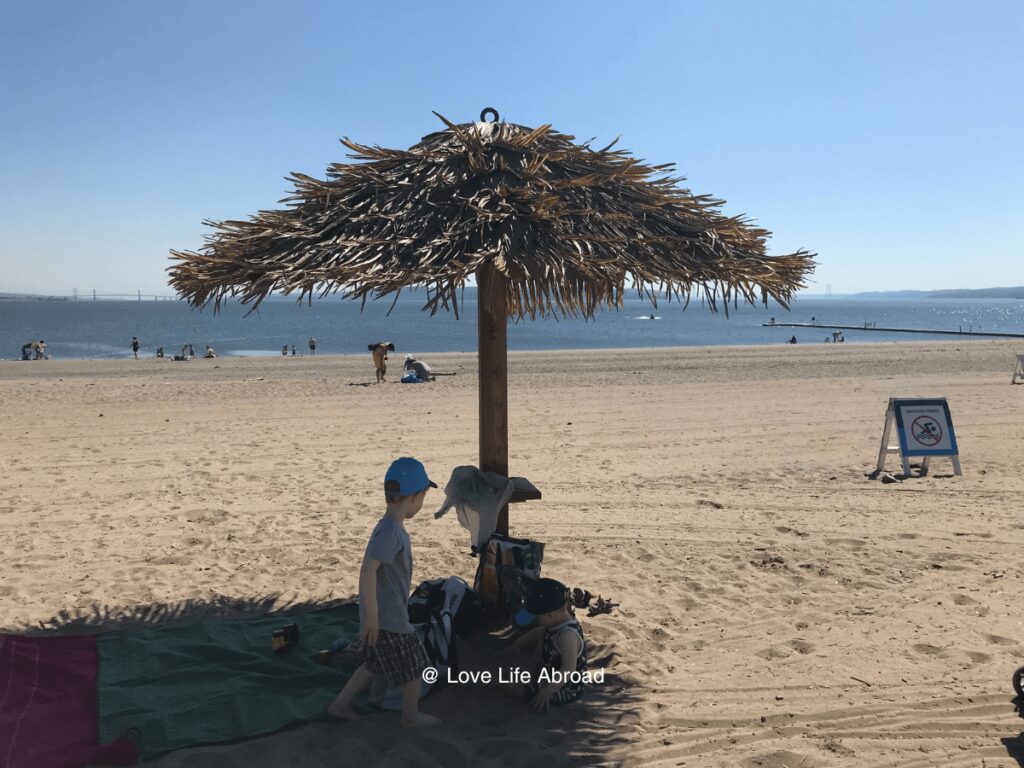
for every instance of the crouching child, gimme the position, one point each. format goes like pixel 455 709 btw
pixel 556 643
pixel 390 646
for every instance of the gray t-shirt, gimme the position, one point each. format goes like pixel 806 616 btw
pixel 389 543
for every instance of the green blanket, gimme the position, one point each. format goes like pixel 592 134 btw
pixel 218 680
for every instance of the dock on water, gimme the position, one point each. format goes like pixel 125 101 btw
pixel 822 326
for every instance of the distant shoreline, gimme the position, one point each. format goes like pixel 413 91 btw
pixel 1014 292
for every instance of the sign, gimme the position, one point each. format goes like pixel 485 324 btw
pixel 924 428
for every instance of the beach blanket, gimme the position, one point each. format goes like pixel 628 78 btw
pixel 48 705
pixel 66 701
pixel 219 680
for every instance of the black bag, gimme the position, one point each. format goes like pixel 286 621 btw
pixel 428 600
pixel 508 567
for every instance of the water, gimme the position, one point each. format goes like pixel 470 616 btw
pixel 103 329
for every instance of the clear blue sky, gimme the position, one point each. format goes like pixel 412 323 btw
pixel 886 136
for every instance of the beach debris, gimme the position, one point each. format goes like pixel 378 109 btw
pixel 601 606
pixel 581 598
pixel 769 562
pixel 888 478
pixel 710 503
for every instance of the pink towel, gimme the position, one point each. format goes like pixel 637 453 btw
pixel 48 715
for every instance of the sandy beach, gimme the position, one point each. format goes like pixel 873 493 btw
pixel 778 608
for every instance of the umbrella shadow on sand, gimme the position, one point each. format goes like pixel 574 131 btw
pixel 104 618
pixel 482 725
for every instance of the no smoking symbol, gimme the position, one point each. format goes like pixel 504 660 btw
pixel 926 430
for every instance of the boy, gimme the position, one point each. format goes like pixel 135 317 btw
pixel 390 647
pixel 563 649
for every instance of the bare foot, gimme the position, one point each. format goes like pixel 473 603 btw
pixel 420 720
pixel 344 712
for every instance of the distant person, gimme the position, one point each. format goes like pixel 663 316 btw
pixel 210 354
pixel 312 345
pixel 284 350
pixel 380 358
pixel 27 349
pixel 841 337
pixel 792 340
pixel 135 346
pixel 419 368
pixel 41 350
pixel 293 350
pixel 159 351
pixel 771 321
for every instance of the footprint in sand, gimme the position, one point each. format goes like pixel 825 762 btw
pixel 852 543
pixel 930 650
pixel 801 646
pixel 999 640
pixel 781 759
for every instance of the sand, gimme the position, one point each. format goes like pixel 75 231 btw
pixel 778 607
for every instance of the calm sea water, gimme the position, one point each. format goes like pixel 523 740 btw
pixel 103 329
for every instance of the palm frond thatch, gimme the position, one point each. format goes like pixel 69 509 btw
pixel 570 227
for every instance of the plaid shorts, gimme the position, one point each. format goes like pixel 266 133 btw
pixel 397 656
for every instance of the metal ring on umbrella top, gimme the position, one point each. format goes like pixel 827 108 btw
pixel 489 110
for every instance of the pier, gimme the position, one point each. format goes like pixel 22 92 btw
pixel 821 326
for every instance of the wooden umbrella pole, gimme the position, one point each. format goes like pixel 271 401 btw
pixel 492 335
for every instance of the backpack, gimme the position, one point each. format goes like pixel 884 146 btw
pixel 439 609
pixel 429 598
pixel 508 568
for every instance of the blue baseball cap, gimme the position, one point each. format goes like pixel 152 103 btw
pixel 546 595
pixel 410 476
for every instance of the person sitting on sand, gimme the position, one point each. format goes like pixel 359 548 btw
pixel 210 354
pixel 557 644
pixel 391 648
pixel 159 351
pixel 792 340
pixel 417 367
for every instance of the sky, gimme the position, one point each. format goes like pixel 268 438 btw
pixel 884 136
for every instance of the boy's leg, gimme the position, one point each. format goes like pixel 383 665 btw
pixel 341 707
pixel 411 715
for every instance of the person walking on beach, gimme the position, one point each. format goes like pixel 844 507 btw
pixel 312 345
pixel 390 646
pixel 284 350
pixel 135 346
pixel 293 350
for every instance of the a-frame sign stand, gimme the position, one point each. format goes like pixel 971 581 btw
pixel 924 429
pixel 1018 371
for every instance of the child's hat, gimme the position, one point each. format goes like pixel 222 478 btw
pixel 546 595
pixel 410 476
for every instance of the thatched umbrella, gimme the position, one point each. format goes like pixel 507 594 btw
pixel 543 224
